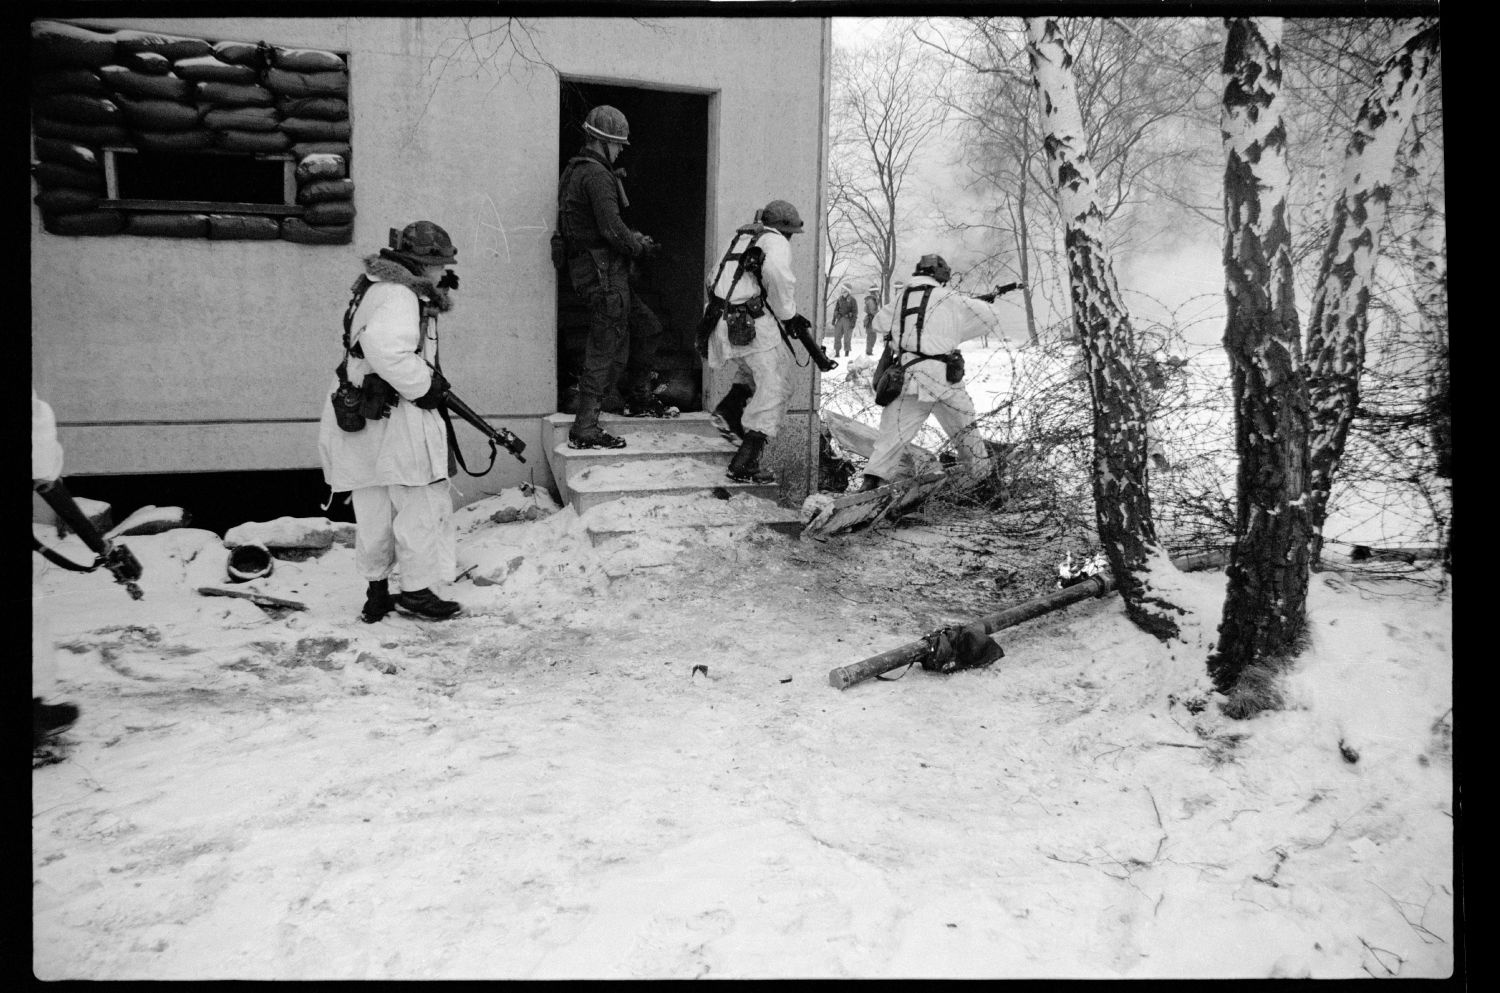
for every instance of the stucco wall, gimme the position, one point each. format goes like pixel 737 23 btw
pixel 166 355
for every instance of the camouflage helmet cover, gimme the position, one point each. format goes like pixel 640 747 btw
pixel 782 216
pixel 423 243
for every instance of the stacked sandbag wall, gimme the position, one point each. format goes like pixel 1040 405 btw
pixel 155 92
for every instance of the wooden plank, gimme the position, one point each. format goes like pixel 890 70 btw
pixel 259 599
pixel 873 506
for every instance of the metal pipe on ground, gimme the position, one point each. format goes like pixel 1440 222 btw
pixel 1095 586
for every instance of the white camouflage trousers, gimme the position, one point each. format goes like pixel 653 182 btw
pixel 769 371
pixel 904 417
pixel 406 529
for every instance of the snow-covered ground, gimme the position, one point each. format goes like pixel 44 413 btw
pixel 625 760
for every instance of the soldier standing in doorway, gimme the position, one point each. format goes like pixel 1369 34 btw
pixel 599 248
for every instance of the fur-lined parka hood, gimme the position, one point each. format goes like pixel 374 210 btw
pixel 385 270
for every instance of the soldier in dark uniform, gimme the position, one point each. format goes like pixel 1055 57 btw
pixel 599 249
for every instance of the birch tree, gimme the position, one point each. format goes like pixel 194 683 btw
pixel 1122 502
pixel 1341 301
pixel 1265 602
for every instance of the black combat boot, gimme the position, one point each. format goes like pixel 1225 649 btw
pixel 427 604
pixel 378 601
pixel 728 412
pixel 586 432
pixel 48 719
pixel 745 466
pixel 871 483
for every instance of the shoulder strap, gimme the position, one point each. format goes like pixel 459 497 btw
pixel 738 258
pixel 357 294
pixel 920 310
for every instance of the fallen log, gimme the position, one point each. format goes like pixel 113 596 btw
pixel 259 599
pixel 1094 586
pixel 873 506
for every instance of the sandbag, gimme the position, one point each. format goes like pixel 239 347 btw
pixel 208 69
pixel 65 200
pixel 175 141
pixel 253 141
pixel 142 86
pixel 171 47
pixel 66 153
pixel 303 149
pixel 297 230
pixel 240 53
pixel 147 63
pixel 320 167
pixel 234 95
pixel 241 118
pixel 79 108
pixel 329 212
pixel 159 115
pixel 243 227
pixel 167 225
pixel 93 222
pixel 307 84
pixel 56 44
pixel 52 174
pixel 306 60
pixel 93 135
pixel 307 129
pixel 318 108
pixel 72 81
pixel 322 190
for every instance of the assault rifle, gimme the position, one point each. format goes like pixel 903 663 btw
pixel 495 436
pixel 798 327
pixel 119 560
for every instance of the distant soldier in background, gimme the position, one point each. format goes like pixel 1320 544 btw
pixel 872 304
pixel 845 312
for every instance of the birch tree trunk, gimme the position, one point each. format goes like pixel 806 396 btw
pixel 1122 502
pixel 1341 299
pixel 1266 595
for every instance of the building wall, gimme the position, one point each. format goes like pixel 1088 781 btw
pixel 165 355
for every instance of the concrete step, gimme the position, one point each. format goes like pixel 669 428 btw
pixel 600 481
pixel 555 426
pixel 683 513
pixel 569 463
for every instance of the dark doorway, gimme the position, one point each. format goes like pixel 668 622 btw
pixel 666 181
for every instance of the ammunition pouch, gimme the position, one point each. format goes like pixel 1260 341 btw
pixel 740 318
pixel 559 251
pixel 378 397
pixel 954 360
pixel 347 401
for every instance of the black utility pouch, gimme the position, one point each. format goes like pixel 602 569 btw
pixel 379 397
pixel 347 401
pixel 741 321
pixel 955 362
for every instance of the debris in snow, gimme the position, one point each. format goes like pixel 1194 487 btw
pixel 1071 574
pixel 519 503
pixel 1349 753
pixel 284 532
pixel 259 599
pixel 150 519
